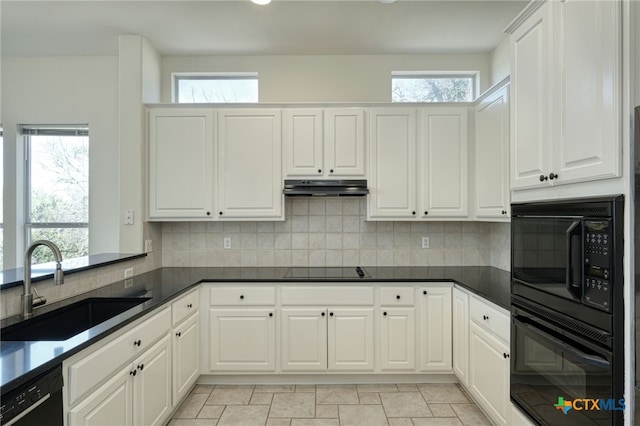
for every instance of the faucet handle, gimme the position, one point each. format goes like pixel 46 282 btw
pixel 38 300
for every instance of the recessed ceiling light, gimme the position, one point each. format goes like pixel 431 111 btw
pixel 263 2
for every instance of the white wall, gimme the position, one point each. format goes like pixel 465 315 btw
pixel 339 78
pixel 52 90
pixel 500 64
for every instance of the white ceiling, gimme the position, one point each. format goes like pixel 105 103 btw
pixel 238 27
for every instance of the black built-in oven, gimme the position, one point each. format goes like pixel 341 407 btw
pixel 567 311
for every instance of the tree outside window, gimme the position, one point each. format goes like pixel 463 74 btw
pixel 432 88
pixel 206 88
pixel 58 190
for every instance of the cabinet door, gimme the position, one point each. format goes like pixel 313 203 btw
pixel 492 155
pixel 186 357
pixel 180 163
pixel 250 164
pixel 392 164
pixel 435 334
pixel 489 374
pixel 242 340
pixel 530 105
pixel 344 142
pixel 303 146
pixel 111 404
pixel 350 339
pixel 303 339
pixel 398 338
pixel 587 39
pixel 152 385
pixel 460 322
pixel 444 162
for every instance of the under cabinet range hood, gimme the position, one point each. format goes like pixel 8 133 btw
pixel 325 188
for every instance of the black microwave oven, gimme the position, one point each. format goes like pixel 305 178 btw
pixel 568 254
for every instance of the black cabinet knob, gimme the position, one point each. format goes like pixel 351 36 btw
pixel 208 213
pixel 178 334
pixel 413 213
pixel 319 170
pixel 241 296
pixel 384 313
pixel 220 213
pixel 330 314
pixel 137 342
pixel 543 178
pixel 426 212
pixel 133 373
pixel 553 176
pixel 331 171
pixel 323 314
pixel 270 314
pixel 505 355
pixel 141 367
pixel 504 212
pixel 190 305
pixel 485 317
pixel 424 291
pixel 398 297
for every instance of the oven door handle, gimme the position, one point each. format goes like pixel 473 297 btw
pixel 565 347
pixel 569 233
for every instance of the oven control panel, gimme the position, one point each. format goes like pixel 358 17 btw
pixel 597 263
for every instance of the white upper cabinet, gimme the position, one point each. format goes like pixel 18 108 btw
pixel 392 163
pixel 324 143
pixel 180 163
pixel 444 162
pixel 565 75
pixel 492 155
pixel 249 164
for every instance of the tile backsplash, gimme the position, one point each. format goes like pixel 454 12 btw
pixel 333 232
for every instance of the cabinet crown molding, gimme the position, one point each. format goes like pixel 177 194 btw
pixel 524 15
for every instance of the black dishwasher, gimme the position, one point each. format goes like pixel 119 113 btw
pixel 37 402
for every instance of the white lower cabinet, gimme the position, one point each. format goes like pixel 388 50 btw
pixel 303 339
pixel 186 356
pixel 398 339
pixel 242 339
pixel 108 386
pixel 489 359
pixel 460 324
pixel 435 328
pixel 350 339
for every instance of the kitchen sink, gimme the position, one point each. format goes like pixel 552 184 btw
pixel 66 322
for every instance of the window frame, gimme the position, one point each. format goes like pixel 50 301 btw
pixel 473 75
pixel 26 132
pixel 176 77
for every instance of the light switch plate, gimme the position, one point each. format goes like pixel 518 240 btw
pixel 425 242
pixel 227 242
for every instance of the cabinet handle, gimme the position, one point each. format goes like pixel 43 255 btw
pixel 504 212
pixel 141 367
pixel 208 213
pixel 505 355
pixel 323 314
pixel 190 305
pixel 413 213
pixel 220 213
pixel 270 314
pixel 241 296
pixel 178 334
pixel 398 297
pixel 330 314
pixel 424 291
pixel 133 373
pixel 384 313
pixel 543 178
pixel 553 176
pixel 426 212
pixel 137 342
pixel 331 171
pixel 485 317
pixel 319 170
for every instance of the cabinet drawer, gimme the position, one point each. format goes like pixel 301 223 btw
pixel 96 367
pixel 185 306
pixel 397 296
pixel 491 318
pixel 242 295
pixel 327 296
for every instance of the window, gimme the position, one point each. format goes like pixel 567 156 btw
pixel 433 87
pixel 57 189
pixel 215 88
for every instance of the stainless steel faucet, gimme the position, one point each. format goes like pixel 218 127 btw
pixel 27 300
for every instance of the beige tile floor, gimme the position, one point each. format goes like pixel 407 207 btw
pixel 328 405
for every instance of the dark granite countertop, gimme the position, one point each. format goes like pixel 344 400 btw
pixel 22 361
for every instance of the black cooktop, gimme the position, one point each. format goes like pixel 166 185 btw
pixel 331 272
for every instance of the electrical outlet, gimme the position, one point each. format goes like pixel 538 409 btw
pixel 128 217
pixel 128 273
pixel 425 242
pixel 148 246
pixel 227 242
